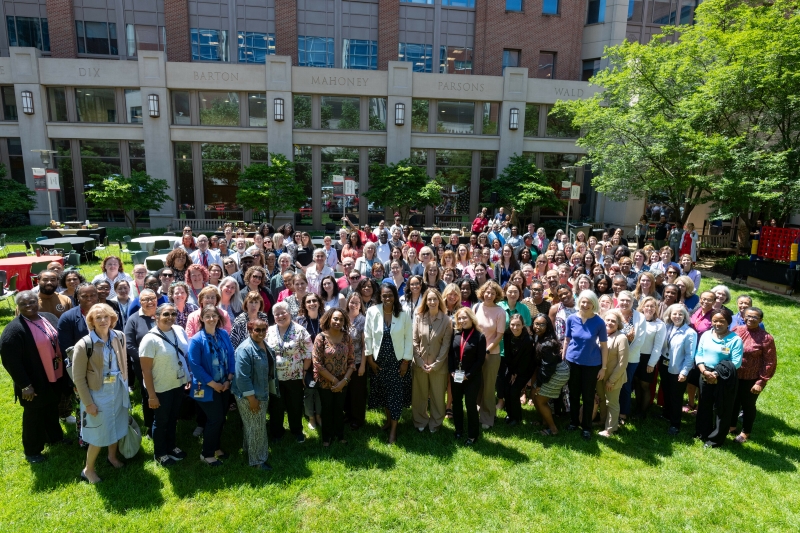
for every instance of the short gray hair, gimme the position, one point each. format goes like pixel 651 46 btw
pixel 592 297
pixel 281 305
pixel 687 318
pixel 724 290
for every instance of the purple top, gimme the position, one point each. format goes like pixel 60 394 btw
pixel 583 347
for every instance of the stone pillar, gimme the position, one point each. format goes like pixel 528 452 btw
pixel 515 91
pixel 398 138
pixel 279 85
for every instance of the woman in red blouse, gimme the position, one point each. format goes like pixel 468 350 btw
pixel 759 361
pixel 334 363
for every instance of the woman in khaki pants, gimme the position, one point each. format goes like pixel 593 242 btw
pixel 609 387
pixel 433 333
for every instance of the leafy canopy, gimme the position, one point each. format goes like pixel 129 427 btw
pixel 401 186
pixel 522 186
pixel 271 188
pixel 14 197
pixel 139 192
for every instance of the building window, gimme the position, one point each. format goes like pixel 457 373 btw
pixel 553 167
pixel 488 173
pixel 459 3
pixel 57 102
pixel 429 2
pixel 455 167
pixel 221 164
pixel 303 173
pixel 513 5
pixel 259 153
pixel 100 159
pixel 340 113
pixel 16 166
pixel 686 13
pixel 547 66
pixel 590 68
pixel 597 12
pixel 218 108
pixel 560 127
pixel 531 128
pixel 360 54
pixel 96 38
pixel 456 117
pixel 133 106
pixel 315 52
pixel 136 156
pixel 419 115
pixel 209 45
pixel 28 31
pixel 635 10
pixel 181 108
pixel 511 58
pixel 9 103
pixel 332 206
pixel 255 47
pixel 95 105
pixel 302 111
pixel 551 7
pixel 664 12
pixel 144 37
pixel 62 161
pixel 377 114
pixel 491 114
pixel 184 179
pixel 455 60
pixel 257 109
pixel 377 160
pixel 421 55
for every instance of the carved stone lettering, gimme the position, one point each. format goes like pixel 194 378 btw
pixel 568 93
pixel 339 81
pixel 90 72
pixel 454 86
pixel 215 76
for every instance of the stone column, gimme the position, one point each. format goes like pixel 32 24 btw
pixel 398 138
pixel 515 91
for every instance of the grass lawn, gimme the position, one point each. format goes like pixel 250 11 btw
pixel 512 480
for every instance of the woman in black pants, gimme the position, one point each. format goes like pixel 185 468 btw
pixel 677 360
pixel 519 366
pixel 467 354
pixel 137 326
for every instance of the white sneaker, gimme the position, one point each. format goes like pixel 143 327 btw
pixel 198 432
pixel 70 420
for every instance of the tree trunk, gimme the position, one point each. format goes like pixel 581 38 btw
pixel 132 221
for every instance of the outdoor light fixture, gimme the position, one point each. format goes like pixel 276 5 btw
pixel 278 112
pixel 513 119
pixel 152 104
pixel 399 114
pixel 27 102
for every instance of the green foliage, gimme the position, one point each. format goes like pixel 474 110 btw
pixel 401 186
pixel 14 197
pixel 221 113
pixel 271 188
pixel 139 192
pixel 419 115
pixel 523 186
pixel 302 111
pixel 349 120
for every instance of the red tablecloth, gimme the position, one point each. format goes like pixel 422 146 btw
pixel 22 266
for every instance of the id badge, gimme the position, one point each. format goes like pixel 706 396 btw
pixel 199 393
pixel 110 379
pixel 458 377
pixel 181 372
pixel 726 350
pixel 665 362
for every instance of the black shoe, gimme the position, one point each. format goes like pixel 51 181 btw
pixel 469 442
pixel 177 454
pixel 222 456
pixel 215 462
pixel 673 431
pixel 166 460
pixel 300 438
pixel 65 441
pixel 264 466
pixel 586 435
pixel 33 459
pixel 710 444
pixel 457 436
pixel 572 427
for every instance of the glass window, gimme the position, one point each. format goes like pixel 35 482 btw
pixel 340 113
pixel 209 45
pixel 686 14
pixel 96 37
pixel 338 161
pixel 181 108
pixel 459 3
pixel 547 66
pixel 57 102
pixel 455 60
pixel 259 153
pixel 184 179
pixel 513 5
pixel 136 156
pixel 302 111
pixel 553 167
pixel 28 31
pixel 257 109
pixel 456 117
pixel 664 12
pixel 455 167
pixel 491 114
pixel 315 51
pixel 360 54
pixel 531 128
pixel 419 157
pixel 303 174
pixel 511 58
pixel 9 103
pixel 218 108
pixel 488 172
pixel 560 127
pixel 255 47
pixel 16 166
pixel 62 161
pixel 100 159
pixel 133 106
pixel 419 115
pixel 377 157
pixel 221 165
pixel 597 11
pixel 377 114
pixel 145 37
pixel 550 7
pixel 95 105
pixel 430 2
pixel 590 68
pixel 635 10
pixel 419 54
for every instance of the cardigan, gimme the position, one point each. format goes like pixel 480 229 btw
pixel 679 347
pixel 87 372
pixel 432 341
pixel 759 359
pixel 401 332
pixel 617 361
pixel 474 353
pixel 256 372
pixel 136 328
pixel 200 363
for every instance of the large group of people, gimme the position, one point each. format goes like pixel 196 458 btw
pixel 462 328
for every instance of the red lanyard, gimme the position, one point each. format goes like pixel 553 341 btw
pixel 463 342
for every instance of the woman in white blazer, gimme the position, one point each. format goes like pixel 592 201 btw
pixel 389 356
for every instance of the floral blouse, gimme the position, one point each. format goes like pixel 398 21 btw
pixel 188 309
pixel 290 349
pixel 357 335
pixel 335 358
pixel 239 332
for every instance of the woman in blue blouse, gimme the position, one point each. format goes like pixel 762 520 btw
pixel 586 351
pixel 677 359
pixel 211 360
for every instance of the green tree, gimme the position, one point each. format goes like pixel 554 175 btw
pixel 14 197
pixel 271 188
pixel 401 186
pixel 302 111
pixel 522 186
pixel 139 192
pixel 419 115
pixel 222 112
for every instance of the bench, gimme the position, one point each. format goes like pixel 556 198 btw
pixel 197 224
pixel 716 243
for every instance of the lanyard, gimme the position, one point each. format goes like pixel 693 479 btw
pixel 282 338
pixel 178 352
pixel 463 345
pixel 53 339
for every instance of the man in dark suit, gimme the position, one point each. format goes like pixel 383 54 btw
pixel 72 324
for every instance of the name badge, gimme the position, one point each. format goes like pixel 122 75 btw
pixel 726 350
pixel 458 377
pixel 181 372
pixel 110 379
pixel 199 393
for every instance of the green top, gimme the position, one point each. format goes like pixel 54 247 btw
pixel 519 309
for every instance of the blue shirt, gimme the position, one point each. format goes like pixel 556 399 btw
pixel 711 350
pixel 583 347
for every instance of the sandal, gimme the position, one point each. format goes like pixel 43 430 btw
pixel 547 433
pixel 741 438
pixel 448 413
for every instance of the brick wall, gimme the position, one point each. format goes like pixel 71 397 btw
pixel 176 20
pixel 61 25
pixel 530 32
pixel 286 29
pixel 388 32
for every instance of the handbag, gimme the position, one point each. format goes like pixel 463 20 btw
pixel 129 444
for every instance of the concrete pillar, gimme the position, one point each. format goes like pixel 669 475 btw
pixel 157 143
pixel 398 138
pixel 515 92
pixel 279 85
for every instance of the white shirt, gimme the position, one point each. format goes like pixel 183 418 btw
pixel 121 275
pixel 314 278
pixel 331 259
pixel 212 257
pixel 167 364
pixel 383 251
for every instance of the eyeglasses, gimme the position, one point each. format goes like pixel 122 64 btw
pixel 259 330
pixel 256 276
pixel 227 263
pixel 147 300
pixel 355 278
pixel 167 275
pixel 168 315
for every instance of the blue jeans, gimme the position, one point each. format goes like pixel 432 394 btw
pixel 625 392
pixel 165 421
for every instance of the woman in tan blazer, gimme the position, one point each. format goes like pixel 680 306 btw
pixel 608 388
pixel 432 333
pixel 100 373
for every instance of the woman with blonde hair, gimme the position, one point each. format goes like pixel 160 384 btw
pixel 467 355
pixel 645 288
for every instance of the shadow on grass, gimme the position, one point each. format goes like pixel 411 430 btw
pixel 775 456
